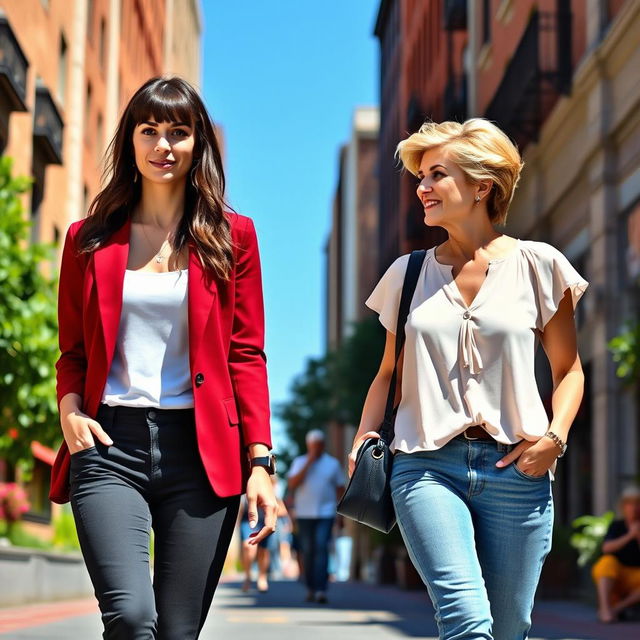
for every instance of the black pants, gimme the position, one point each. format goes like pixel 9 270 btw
pixel 151 477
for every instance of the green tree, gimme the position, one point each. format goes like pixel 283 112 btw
pixel 28 330
pixel 333 387
pixel 309 406
pixel 353 366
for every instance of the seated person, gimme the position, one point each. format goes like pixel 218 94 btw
pixel 617 572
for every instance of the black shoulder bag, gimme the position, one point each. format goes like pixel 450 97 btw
pixel 367 498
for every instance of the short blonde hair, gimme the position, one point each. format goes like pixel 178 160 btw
pixel 479 148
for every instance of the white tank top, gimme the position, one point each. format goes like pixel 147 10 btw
pixel 150 366
pixel 467 365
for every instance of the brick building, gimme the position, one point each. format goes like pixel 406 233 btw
pixel 422 76
pixel 351 251
pixel 559 77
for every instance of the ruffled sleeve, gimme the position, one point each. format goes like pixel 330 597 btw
pixel 385 298
pixel 554 275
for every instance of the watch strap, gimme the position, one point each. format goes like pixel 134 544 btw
pixel 268 462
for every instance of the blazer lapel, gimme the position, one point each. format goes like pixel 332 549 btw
pixel 202 291
pixel 110 263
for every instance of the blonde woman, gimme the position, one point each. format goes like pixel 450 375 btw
pixel 473 445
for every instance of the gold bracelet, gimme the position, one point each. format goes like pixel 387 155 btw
pixel 558 442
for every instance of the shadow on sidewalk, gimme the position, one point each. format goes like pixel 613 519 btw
pixel 357 605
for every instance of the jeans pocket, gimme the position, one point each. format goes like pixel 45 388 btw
pixel 104 417
pixel 527 476
pixel 83 452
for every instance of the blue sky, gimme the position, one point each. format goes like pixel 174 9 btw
pixel 283 77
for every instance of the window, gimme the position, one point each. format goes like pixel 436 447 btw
pixel 87 112
pixel 38 167
pixel 102 43
pixel 63 60
pixel 99 141
pixel 85 200
pixel 38 493
pixel 486 21
pixel 90 20
pixel 4 130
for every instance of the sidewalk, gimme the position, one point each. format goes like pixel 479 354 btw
pixel 367 612
pixel 355 611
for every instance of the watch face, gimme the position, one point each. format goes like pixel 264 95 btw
pixel 268 462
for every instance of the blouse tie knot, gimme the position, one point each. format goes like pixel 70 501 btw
pixel 467 346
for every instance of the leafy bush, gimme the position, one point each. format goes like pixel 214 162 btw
pixel 65 535
pixel 588 539
pixel 20 538
pixel 625 348
pixel 28 330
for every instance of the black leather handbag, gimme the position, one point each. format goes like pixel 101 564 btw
pixel 367 498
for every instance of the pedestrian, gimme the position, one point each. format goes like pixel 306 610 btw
pixel 317 480
pixel 161 381
pixel 471 481
pixel 617 572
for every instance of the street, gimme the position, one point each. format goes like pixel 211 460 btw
pixel 357 611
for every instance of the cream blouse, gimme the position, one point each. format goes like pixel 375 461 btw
pixel 474 365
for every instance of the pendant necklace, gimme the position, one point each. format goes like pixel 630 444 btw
pixel 159 257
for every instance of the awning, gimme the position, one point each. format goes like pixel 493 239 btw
pixel 45 454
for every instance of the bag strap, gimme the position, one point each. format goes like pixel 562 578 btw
pixel 408 288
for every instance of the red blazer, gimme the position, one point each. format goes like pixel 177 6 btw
pixel 226 341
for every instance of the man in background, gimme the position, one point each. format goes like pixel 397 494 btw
pixel 317 481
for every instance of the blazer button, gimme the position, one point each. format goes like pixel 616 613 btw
pixel 199 379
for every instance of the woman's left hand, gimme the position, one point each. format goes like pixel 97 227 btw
pixel 260 495
pixel 533 458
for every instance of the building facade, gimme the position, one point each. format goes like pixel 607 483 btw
pixel 423 49
pixel 351 256
pixel 574 115
pixel 559 77
pixel 351 251
pixel 183 40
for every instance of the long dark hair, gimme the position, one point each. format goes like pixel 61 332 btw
pixel 166 99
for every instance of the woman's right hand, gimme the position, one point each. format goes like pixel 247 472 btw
pixel 357 443
pixel 80 431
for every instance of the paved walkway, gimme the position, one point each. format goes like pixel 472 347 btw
pixel 355 611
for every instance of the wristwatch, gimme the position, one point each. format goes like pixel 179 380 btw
pixel 268 462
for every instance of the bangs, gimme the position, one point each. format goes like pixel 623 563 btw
pixel 163 103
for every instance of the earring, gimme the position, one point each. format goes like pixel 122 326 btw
pixel 477 198
pixel 134 166
pixel 195 186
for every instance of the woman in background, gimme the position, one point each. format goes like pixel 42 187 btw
pixel 617 572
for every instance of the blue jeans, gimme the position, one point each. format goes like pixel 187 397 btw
pixel 478 536
pixel 314 535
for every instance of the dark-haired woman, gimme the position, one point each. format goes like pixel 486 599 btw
pixel 161 381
